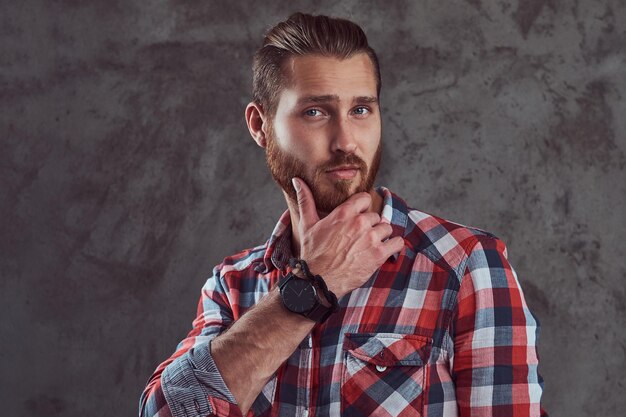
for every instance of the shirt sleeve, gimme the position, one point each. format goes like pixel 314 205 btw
pixel 188 383
pixel 495 335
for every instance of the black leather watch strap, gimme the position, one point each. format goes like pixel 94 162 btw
pixel 320 313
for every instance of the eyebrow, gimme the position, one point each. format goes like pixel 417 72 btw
pixel 334 98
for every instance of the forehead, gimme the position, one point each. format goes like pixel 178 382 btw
pixel 317 75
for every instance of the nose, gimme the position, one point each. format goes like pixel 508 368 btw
pixel 343 135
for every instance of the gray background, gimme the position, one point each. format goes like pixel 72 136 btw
pixel 127 172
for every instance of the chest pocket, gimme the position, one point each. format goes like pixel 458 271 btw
pixel 383 374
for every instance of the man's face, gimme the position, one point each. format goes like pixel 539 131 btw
pixel 327 128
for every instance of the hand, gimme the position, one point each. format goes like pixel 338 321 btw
pixel 346 247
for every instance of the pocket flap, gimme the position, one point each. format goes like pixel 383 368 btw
pixel 388 349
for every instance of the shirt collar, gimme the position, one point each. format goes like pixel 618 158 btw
pixel 278 251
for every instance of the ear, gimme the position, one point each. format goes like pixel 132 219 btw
pixel 256 121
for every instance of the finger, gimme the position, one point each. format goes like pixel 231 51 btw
pixel 357 203
pixel 392 246
pixel 306 204
pixel 370 219
pixel 382 231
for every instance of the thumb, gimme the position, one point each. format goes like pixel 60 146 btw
pixel 306 204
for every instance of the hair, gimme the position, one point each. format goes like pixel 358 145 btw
pixel 303 34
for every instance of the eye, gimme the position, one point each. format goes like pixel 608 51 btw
pixel 361 111
pixel 312 112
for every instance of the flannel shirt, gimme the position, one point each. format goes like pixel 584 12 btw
pixel 441 329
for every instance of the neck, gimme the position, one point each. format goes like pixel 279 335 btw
pixel 375 207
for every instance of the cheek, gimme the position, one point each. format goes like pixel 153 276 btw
pixel 288 136
pixel 302 142
pixel 370 137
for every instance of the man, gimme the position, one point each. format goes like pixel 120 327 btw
pixel 357 305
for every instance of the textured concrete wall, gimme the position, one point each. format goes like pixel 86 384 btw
pixel 126 173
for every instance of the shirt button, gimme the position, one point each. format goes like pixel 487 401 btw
pixel 380 368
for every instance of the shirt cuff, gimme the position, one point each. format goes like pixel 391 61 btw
pixel 193 386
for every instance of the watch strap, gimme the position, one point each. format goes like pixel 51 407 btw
pixel 319 313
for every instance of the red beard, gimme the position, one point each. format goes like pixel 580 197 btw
pixel 284 167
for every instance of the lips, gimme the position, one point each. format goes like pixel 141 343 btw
pixel 344 168
pixel 345 172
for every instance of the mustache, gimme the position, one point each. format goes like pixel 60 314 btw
pixel 343 159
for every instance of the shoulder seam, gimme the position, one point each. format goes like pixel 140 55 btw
pixel 474 241
pixel 236 263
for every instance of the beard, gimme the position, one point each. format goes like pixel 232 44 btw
pixel 284 167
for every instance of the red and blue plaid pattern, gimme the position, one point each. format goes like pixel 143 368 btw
pixel 441 329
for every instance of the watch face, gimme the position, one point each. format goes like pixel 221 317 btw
pixel 299 295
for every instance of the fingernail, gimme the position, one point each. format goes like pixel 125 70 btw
pixel 296 184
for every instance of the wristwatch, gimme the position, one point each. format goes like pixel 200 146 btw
pixel 300 296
